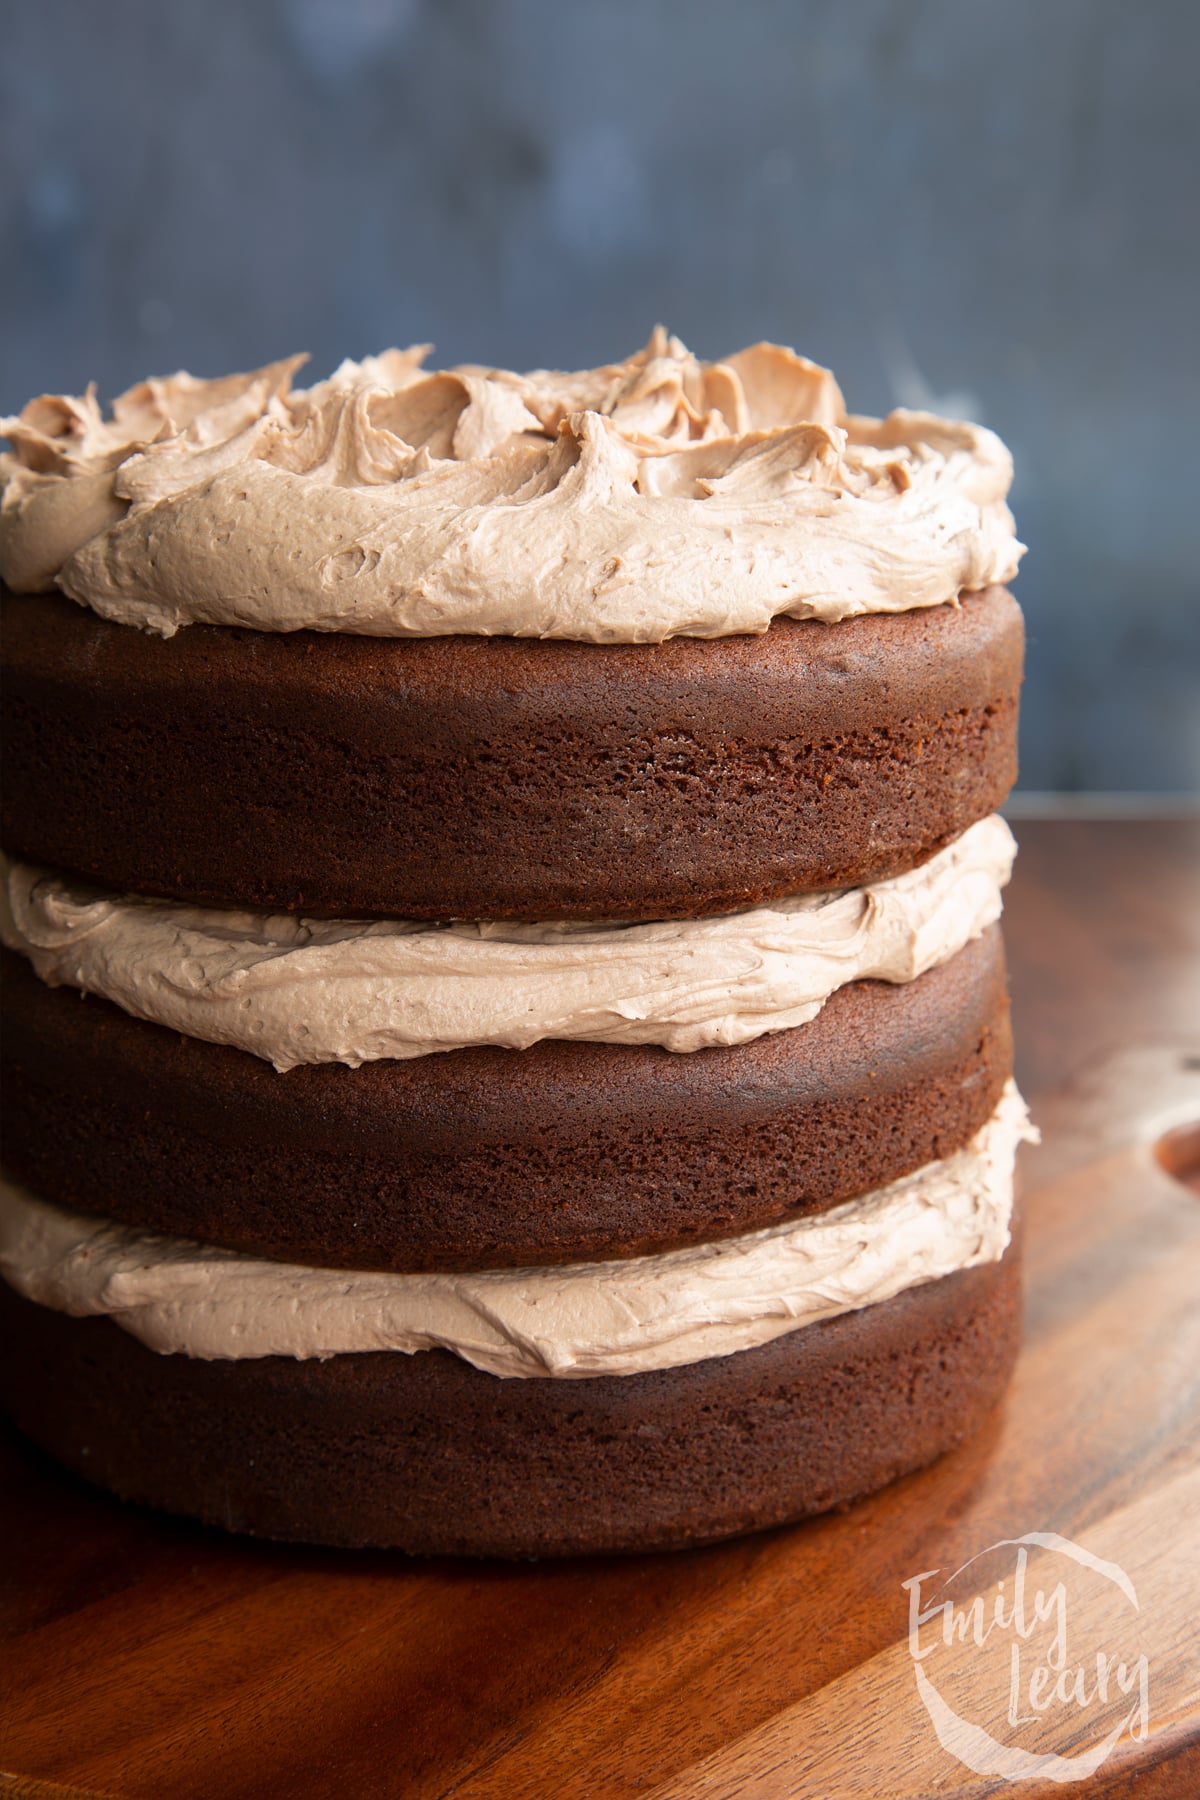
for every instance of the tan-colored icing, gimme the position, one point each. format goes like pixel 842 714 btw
pixel 653 498
pixel 581 1319
pixel 296 990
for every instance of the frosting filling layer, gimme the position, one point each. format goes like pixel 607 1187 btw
pixel 574 1320
pixel 648 499
pixel 294 990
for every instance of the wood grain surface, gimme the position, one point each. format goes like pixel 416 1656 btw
pixel 145 1659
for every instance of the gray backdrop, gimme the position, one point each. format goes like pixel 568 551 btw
pixel 987 207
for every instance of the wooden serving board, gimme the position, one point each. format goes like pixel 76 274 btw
pixel 145 1659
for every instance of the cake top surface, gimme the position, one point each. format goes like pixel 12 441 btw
pixel 658 497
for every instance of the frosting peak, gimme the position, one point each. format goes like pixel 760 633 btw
pixel 657 497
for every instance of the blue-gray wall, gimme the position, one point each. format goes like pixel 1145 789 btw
pixel 989 204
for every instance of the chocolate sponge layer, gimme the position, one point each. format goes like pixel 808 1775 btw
pixel 492 1158
pixel 431 1455
pixel 502 778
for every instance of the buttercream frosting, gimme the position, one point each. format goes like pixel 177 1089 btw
pixel 297 990
pixel 578 1319
pixel 648 499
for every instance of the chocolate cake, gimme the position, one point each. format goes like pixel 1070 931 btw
pixel 506 1047
pixel 545 779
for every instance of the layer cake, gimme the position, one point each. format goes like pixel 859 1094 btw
pixel 506 1045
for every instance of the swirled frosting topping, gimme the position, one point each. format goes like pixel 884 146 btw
pixel 295 990
pixel 649 499
pixel 576 1319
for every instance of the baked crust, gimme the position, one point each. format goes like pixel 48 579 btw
pixel 427 1454
pixel 503 778
pixel 488 1158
